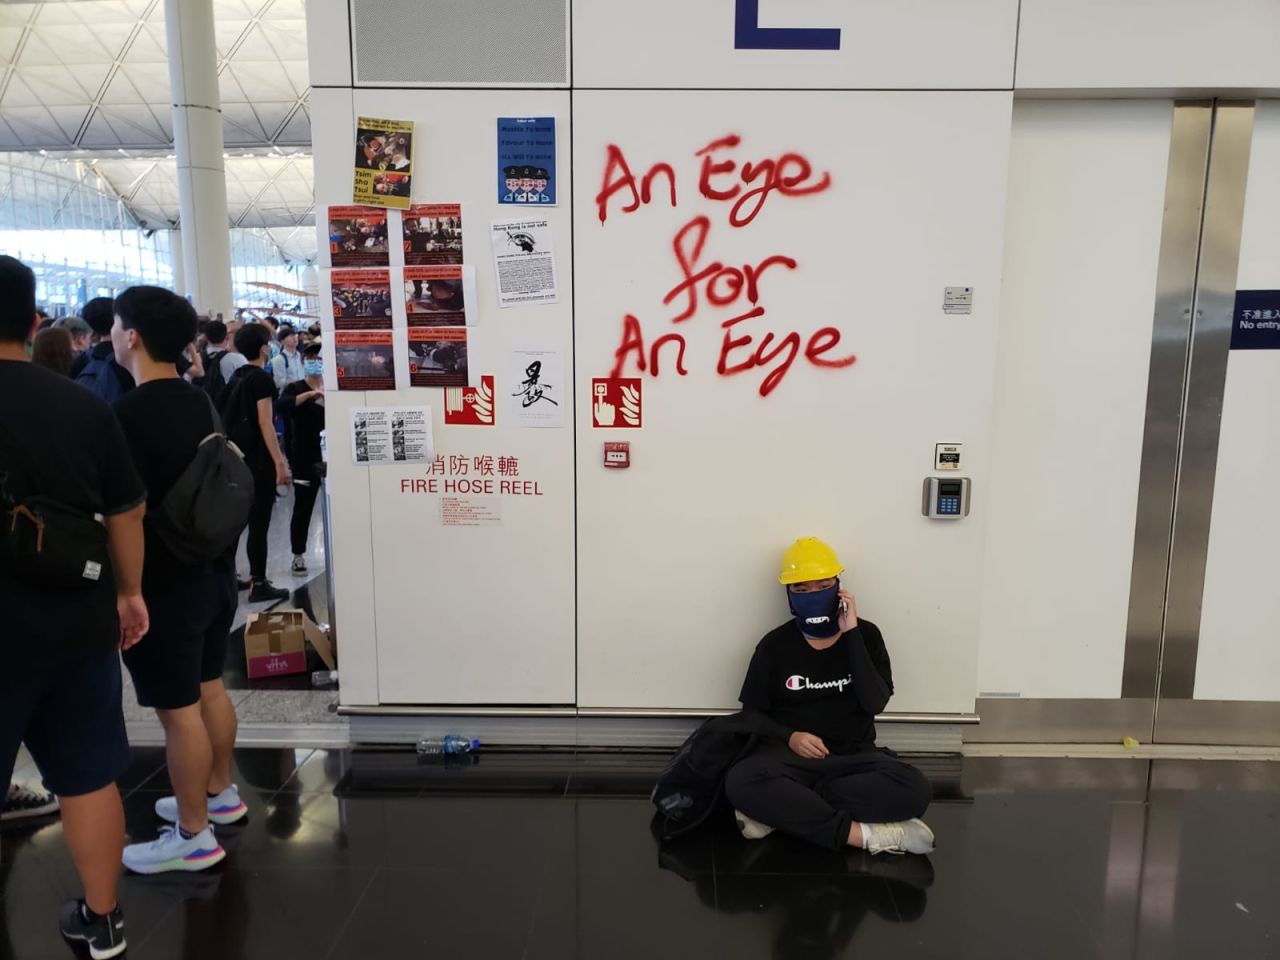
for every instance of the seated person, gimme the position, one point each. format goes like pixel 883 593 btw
pixel 816 684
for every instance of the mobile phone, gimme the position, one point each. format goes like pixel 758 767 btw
pixel 844 606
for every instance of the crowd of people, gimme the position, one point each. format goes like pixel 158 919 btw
pixel 105 429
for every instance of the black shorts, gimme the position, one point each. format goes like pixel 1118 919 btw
pixel 187 643
pixel 68 714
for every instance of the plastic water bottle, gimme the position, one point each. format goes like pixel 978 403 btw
pixel 449 745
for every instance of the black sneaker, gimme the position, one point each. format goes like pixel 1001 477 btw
pixel 299 567
pixel 104 935
pixel 243 585
pixel 266 590
pixel 22 803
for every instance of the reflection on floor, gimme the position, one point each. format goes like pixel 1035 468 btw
pixel 372 854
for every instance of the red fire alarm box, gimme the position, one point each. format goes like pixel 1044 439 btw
pixel 617 454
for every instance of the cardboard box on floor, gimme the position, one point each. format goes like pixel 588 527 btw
pixel 275 643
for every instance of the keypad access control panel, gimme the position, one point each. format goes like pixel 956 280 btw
pixel 945 498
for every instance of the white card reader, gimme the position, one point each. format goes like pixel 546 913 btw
pixel 945 498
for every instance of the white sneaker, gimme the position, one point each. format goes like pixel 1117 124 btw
pixel 751 829
pixel 171 851
pixel 225 808
pixel 909 836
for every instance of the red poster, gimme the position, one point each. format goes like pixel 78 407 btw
pixel 433 234
pixel 616 403
pixel 434 296
pixel 470 406
pixel 438 356
pixel 361 299
pixel 358 237
pixel 365 359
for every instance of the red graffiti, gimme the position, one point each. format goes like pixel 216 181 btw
pixel 748 188
pixel 633 340
pixel 734 279
pixel 618 176
pixel 789 175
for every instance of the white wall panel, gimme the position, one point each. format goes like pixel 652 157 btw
pixel 1149 44
pixel 461 615
pixel 328 44
pixel 1239 654
pixel 1086 196
pixel 352 560
pixel 884 44
pixel 678 555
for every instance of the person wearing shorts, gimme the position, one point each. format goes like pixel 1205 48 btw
pixel 59 665
pixel 179 672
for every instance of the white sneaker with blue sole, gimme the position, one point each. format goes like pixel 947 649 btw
pixel 171 851
pixel 225 808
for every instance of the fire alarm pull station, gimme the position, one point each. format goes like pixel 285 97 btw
pixel 945 498
pixel 617 454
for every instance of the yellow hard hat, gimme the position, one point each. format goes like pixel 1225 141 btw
pixel 809 559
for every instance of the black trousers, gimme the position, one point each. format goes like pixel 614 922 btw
pixel 817 800
pixel 305 492
pixel 264 501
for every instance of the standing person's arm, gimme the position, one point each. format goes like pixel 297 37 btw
pixel 266 424
pixel 125 542
pixel 279 371
pixel 124 498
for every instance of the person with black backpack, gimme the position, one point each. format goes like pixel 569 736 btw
pixel 248 413
pixel 71 556
pixel 97 370
pixel 219 359
pixel 199 493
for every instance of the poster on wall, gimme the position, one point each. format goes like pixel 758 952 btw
pixel 432 233
pixel 365 359
pixel 358 237
pixel 527 161
pixel 439 296
pixel 438 357
pixel 391 435
pixel 533 384
pixel 1255 321
pixel 524 262
pixel 383 162
pixel 361 299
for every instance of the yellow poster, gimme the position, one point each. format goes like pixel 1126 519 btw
pixel 384 162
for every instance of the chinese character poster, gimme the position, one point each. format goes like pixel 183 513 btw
pixel 533 387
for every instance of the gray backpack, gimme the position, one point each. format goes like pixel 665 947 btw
pixel 207 509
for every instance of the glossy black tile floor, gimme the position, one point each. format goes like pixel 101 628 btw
pixel 370 855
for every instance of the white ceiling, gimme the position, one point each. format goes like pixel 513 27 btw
pixel 93 74
pixel 88 82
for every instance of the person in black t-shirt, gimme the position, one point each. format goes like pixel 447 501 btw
pixel 248 415
pixel 302 407
pixel 179 672
pixel 59 665
pixel 815 684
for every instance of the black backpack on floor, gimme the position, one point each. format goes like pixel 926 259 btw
pixel 691 788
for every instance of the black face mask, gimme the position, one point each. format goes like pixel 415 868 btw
pixel 817 614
